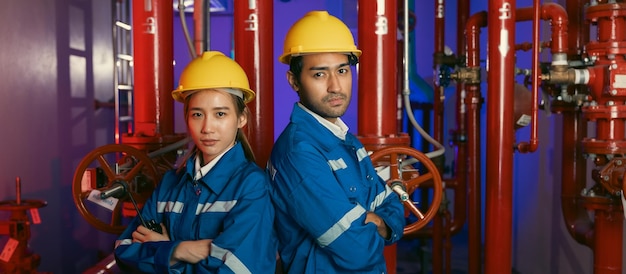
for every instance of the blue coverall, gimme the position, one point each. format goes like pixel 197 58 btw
pixel 230 204
pixel 322 188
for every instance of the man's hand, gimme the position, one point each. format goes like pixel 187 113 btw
pixel 382 227
pixel 142 234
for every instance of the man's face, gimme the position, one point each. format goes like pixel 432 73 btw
pixel 325 85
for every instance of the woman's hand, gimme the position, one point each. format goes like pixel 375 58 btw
pixel 142 234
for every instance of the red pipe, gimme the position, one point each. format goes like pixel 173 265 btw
pixel 559 22
pixel 201 41
pixel 578 28
pixel 608 249
pixel 610 19
pixel 153 67
pixel 438 229
pixel 438 123
pixel 377 100
pixel 254 43
pixel 573 172
pixel 500 136
pixel 439 51
pixel 473 102
pixel 577 221
pixel 533 143
pixel 377 94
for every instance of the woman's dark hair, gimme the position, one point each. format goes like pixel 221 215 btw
pixel 295 64
pixel 241 109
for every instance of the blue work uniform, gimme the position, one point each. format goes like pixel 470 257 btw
pixel 230 205
pixel 322 187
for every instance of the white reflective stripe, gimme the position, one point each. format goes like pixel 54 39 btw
pixel 218 206
pixel 271 169
pixel 340 226
pixel 361 153
pixel 123 242
pixel 381 197
pixel 337 164
pixel 175 207
pixel 229 259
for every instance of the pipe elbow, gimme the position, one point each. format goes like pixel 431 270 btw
pixel 559 21
pixel 472 36
pixel 527 147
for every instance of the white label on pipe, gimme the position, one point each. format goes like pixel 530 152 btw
pixel 620 81
pixel 523 121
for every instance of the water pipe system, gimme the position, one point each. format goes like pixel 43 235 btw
pixel 583 80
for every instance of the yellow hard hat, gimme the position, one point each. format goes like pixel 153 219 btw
pixel 213 70
pixel 317 32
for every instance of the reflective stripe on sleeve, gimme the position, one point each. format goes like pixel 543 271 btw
pixel 340 226
pixel 361 153
pixel 123 242
pixel 380 198
pixel 229 259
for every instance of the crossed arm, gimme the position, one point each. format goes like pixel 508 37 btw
pixel 187 251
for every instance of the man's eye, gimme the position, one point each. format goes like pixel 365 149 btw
pixel 221 114
pixel 319 74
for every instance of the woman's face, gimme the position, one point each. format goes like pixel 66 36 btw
pixel 213 121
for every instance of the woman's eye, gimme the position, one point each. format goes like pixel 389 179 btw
pixel 221 114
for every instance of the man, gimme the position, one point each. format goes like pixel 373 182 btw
pixel 334 214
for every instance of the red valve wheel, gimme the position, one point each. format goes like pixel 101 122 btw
pixel 401 163
pixel 24 205
pixel 100 170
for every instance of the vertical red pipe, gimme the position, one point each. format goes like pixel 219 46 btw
pixel 377 101
pixel 440 19
pixel 439 40
pixel 532 144
pixel 500 136
pixel 254 42
pixel 573 179
pixel 469 45
pixel 377 94
pixel 438 230
pixel 153 67
pixel 200 41
pixel 578 28
pixel 474 101
pixel 608 224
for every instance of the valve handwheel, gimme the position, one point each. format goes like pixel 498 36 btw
pixel 113 163
pixel 401 161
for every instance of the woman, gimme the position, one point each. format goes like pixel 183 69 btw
pixel 214 211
